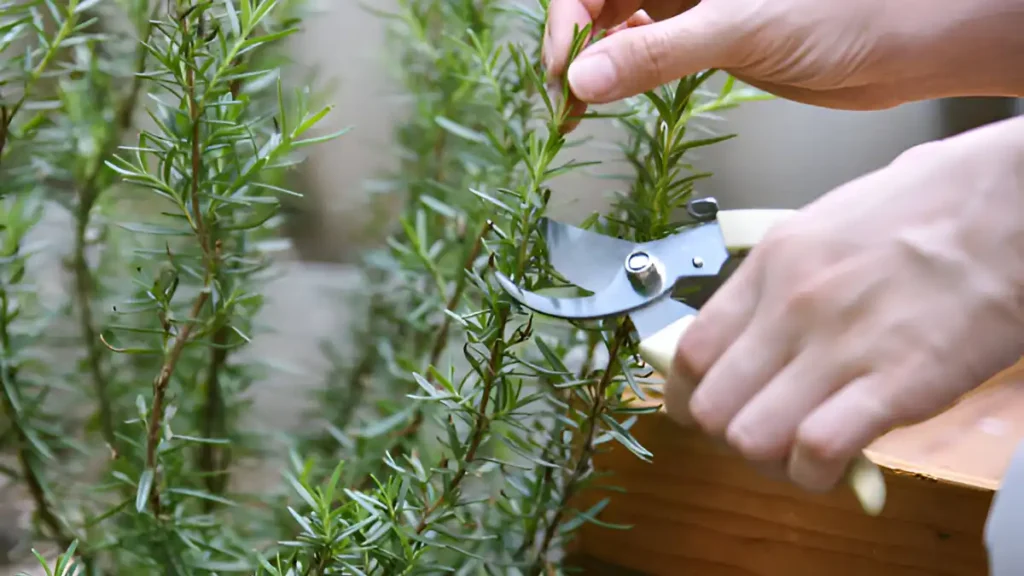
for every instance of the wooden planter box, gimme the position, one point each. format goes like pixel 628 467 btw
pixel 700 510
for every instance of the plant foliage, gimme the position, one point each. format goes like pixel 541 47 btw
pixel 460 433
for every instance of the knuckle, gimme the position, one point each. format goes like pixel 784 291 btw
pixel 800 259
pixel 651 52
pixel 893 409
pixel 805 299
pixel 926 151
pixel 774 247
pixel 880 408
pixel 753 445
pixel 705 416
pixel 817 446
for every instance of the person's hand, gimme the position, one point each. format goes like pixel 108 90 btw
pixel 875 306
pixel 864 54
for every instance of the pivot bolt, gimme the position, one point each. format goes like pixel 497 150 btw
pixel 643 270
pixel 639 262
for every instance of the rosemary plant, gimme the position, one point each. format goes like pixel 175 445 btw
pixel 480 472
pixel 456 437
pixel 166 130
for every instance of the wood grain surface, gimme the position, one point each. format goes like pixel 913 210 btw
pixel 970 444
pixel 699 509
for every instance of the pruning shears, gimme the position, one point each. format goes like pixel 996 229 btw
pixel 660 286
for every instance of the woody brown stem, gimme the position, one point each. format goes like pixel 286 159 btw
pixel 163 378
pixel 586 451
pixel 482 424
pixel 479 429
pixel 26 455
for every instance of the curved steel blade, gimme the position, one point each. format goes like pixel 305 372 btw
pixel 693 255
pixel 616 299
pixel 587 259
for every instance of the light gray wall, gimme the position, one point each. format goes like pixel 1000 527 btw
pixel 345 44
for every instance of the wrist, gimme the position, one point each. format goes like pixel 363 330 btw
pixel 956 49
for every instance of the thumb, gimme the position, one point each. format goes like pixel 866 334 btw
pixel 636 60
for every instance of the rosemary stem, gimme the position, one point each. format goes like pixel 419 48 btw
pixel 586 451
pixel 160 383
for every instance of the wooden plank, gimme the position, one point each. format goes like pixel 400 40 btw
pixel 969 444
pixel 700 509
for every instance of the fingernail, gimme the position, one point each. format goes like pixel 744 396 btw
pixel 592 77
pixel 547 59
pixel 554 90
pixel 741 438
pixel 699 407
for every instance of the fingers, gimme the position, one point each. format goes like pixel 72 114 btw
pixel 738 375
pixel 774 403
pixel 637 19
pixel 863 409
pixel 577 108
pixel 764 429
pixel 639 59
pixel 838 430
pixel 565 16
pixel 576 111
pixel 721 320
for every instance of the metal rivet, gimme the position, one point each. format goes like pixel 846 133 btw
pixel 698 262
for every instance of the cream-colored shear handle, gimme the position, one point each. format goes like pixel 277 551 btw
pixel 742 230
